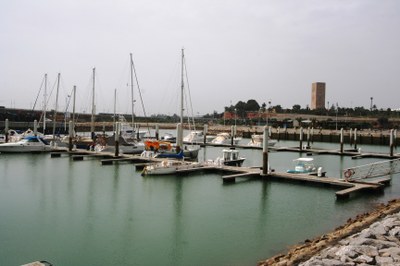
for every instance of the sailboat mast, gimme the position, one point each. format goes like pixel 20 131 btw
pixel 55 110
pixel 115 109
pixel 44 103
pixel 93 105
pixel 73 111
pixel 132 99
pixel 182 86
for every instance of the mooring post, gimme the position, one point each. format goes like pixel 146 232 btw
pixel 308 137
pixel 395 138
pixel 35 128
pixel 104 129
pixel 6 129
pixel 391 142
pixel 355 138
pixel 232 134
pixel 71 132
pixel 117 131
pixel 351 137
pixel 301 138
pixel 312 135
pixel 278 132
pixel 179 137
pixel 205 130
pixel 265 152
pixel 341 140
pixel 157 132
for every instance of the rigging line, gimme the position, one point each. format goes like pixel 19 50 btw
pixel 190 96
pixel 37 96
pixel 141 98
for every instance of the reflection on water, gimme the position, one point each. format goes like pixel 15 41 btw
pixel 82 213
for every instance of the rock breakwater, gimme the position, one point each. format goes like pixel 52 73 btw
pixel 368 239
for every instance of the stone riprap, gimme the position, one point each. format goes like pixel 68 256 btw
pixel 377 245
pixel 371 238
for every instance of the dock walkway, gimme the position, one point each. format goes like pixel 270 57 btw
pixel 231 173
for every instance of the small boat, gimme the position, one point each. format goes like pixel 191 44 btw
pixel 168 167
pixel 257 141
pixel 229 157
pixel 168 137
pixel 27 144
pixel 107 144
pixel 303 166
pixel 225 138
pixel 194 136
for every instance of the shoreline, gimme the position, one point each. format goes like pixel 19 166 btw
pixel 310 248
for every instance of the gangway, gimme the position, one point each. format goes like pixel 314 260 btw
pixel 372 170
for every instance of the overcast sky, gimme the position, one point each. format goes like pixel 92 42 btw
pixel 235 50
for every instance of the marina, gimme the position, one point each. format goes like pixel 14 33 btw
pixel 100 196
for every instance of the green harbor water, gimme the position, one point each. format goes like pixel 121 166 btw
pixel 83 213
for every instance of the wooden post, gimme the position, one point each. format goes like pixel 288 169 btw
pixel 308 137
pixel 117 131
pixel 341 140
pixel 35 128
pixel 395 138
pixel 301 139
pixel 355 138
pixel 6 129
pixel 312 135
pixel 157 132
pixel 351 137
pixel 71 133
pixel 232 134
pixel 391 142
pixel 278 130
pixel 205 130
pixel 179 137
pixel 265 152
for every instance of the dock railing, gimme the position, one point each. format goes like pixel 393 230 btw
pixel 372 170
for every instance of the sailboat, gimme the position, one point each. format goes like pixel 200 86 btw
pixel 129 136
pixel 190 151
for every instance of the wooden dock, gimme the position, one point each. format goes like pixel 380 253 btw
pixel 231 173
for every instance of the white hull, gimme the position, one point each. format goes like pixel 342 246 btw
pixel 224 138
pixel 31 144
pixel 168 167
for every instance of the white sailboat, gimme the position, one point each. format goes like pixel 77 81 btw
pixel 189 150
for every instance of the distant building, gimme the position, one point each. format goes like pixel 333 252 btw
pixel 318 95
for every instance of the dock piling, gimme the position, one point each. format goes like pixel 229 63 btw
pixel 391 142
pixel 265 152
pixel 341 140
pixel 35 126
pixel 6 128
pixel 71 132
pixel 301 138
pixel 118 129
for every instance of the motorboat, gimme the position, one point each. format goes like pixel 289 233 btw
pixel 229 157
pixel 257 141
pixel 225 138
pixel 168 167
pixel 164 149
pixel 194 137
pixel 303 166
pixel 168 137
pixel 108 143
pixel 27 144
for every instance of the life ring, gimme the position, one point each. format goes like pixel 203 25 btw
pixel 348 174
